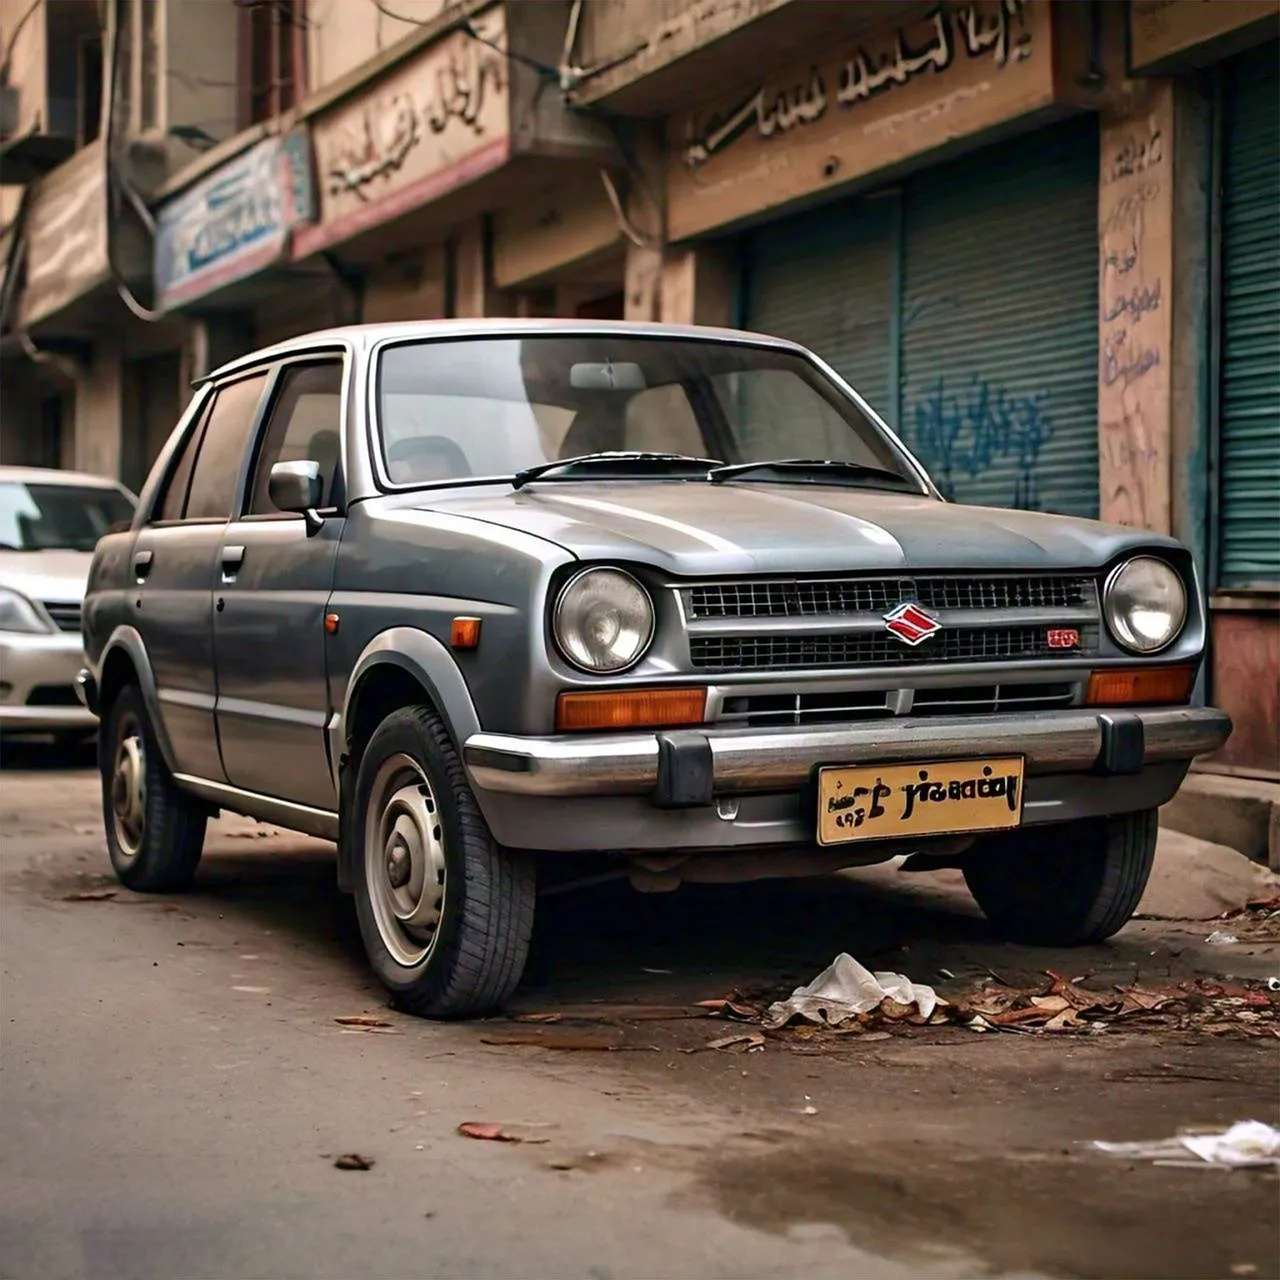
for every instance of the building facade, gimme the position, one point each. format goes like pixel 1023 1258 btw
pixel 1041 237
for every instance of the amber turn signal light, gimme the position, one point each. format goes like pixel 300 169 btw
pixel 631 709
pixel 465 633
pixel 1146 685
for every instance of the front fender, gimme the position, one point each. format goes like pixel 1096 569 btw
pixel 127 640
pixel 430 663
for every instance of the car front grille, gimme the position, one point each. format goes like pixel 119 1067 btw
pixel 757 711
pixel 66 617
pixel 879 648
pixel 842 596
pixel 53 695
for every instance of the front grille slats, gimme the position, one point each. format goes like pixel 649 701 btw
pixel 869 649
pixel 758 711
pixel 66 617
pixel 839 596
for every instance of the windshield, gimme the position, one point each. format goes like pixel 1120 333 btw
pixel 58 517
pixel 490 407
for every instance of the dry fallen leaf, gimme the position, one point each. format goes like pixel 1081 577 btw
pixel 91 895
pixel 727 1007
pixel 362 1020
pixel 751 1039
pixel 488 1132
pixel 537 1040
pixel 354 1161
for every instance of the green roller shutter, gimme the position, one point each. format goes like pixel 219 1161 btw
pixel 1000 323
pixel 824 279
pixel 1249 445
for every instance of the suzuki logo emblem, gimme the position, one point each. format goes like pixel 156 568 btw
pixel 911 624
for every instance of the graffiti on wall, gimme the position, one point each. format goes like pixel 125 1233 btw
pixel 1134 332
pixel 998 31
pixel 967 429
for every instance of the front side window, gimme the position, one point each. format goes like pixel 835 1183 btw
pixel 58 517
pixel 305 426
pixel 461 409
pixel 222 448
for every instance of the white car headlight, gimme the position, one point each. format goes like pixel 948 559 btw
pixel 17 613
pixel 1145 604
pixel 603 620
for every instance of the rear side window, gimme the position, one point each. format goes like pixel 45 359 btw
pixel 226 437
pixel 173 501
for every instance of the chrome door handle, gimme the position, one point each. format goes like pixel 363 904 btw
pixel 141 564
pixel 232 559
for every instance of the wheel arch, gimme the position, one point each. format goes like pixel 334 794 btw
pixel 125 661
pixel 400 667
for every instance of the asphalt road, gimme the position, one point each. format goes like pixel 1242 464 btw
pixel 176 1089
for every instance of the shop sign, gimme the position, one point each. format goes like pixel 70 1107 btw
pixel 436 123
pixel 1161 30
pixel 235 222
pixel 66 236
pixel 903 91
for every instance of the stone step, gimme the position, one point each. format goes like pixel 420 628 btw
pixel 1242 813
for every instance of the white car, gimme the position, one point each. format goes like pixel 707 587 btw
pixel 50 522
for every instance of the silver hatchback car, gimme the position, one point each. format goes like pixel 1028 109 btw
pixel 50 522
pixel 468 596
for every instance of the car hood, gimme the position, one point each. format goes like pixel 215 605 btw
pixel 56 576
pixel 700 528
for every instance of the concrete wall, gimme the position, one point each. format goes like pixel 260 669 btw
pixel 200 73
pixel 345 33
pixel 26 58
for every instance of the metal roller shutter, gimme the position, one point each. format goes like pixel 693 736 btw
pixel 1249 442
pixel 824 279
pixel 999 327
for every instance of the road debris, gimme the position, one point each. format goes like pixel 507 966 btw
pixel 352 1160
pixel 539 1040
pixel 1220 938
pixel 484 1131
pixel 366 1021
pixel 1248 1144
pixel 846 989
pixel 90 895
pixel 745 1042
pixel 731 1006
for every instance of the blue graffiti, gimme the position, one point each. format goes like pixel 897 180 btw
pixel 980 425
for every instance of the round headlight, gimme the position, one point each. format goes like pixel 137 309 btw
pixel 603 620
pixel 1145 604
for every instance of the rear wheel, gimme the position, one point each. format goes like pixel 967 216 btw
pixel 446 913
pixel 1067 884
pixel 155 832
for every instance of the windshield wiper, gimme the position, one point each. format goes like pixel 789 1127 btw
pixel 604 466
pixel 809 471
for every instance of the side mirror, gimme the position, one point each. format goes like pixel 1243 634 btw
pixel 297 487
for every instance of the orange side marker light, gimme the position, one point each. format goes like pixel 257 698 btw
pixel 465 633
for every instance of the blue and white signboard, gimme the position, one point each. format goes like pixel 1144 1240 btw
pixel 235 222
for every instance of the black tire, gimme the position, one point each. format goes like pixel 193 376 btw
pixel 1068 884
pixel 471 901
pixel 155 838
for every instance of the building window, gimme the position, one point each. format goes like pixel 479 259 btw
pixel 272 46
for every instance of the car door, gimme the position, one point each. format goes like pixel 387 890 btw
pixel 174 567
pixel 274 581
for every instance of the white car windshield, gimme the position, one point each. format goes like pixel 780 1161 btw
pixel 456 409
pixel 39 516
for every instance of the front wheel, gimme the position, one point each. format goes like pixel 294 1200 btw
pixel 445 912
pixel 1067 884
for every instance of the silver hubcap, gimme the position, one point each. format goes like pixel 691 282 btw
pixel 404 860
pixel 129 790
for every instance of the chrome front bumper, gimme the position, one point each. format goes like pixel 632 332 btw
pixel 687 768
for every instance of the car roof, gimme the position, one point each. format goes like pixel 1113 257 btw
pixel 53 475
pixel 364 336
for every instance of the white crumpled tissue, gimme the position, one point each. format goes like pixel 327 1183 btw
pixel 1248 1144
pixel 845 989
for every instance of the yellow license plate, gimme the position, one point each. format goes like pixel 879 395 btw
pixel 948 797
